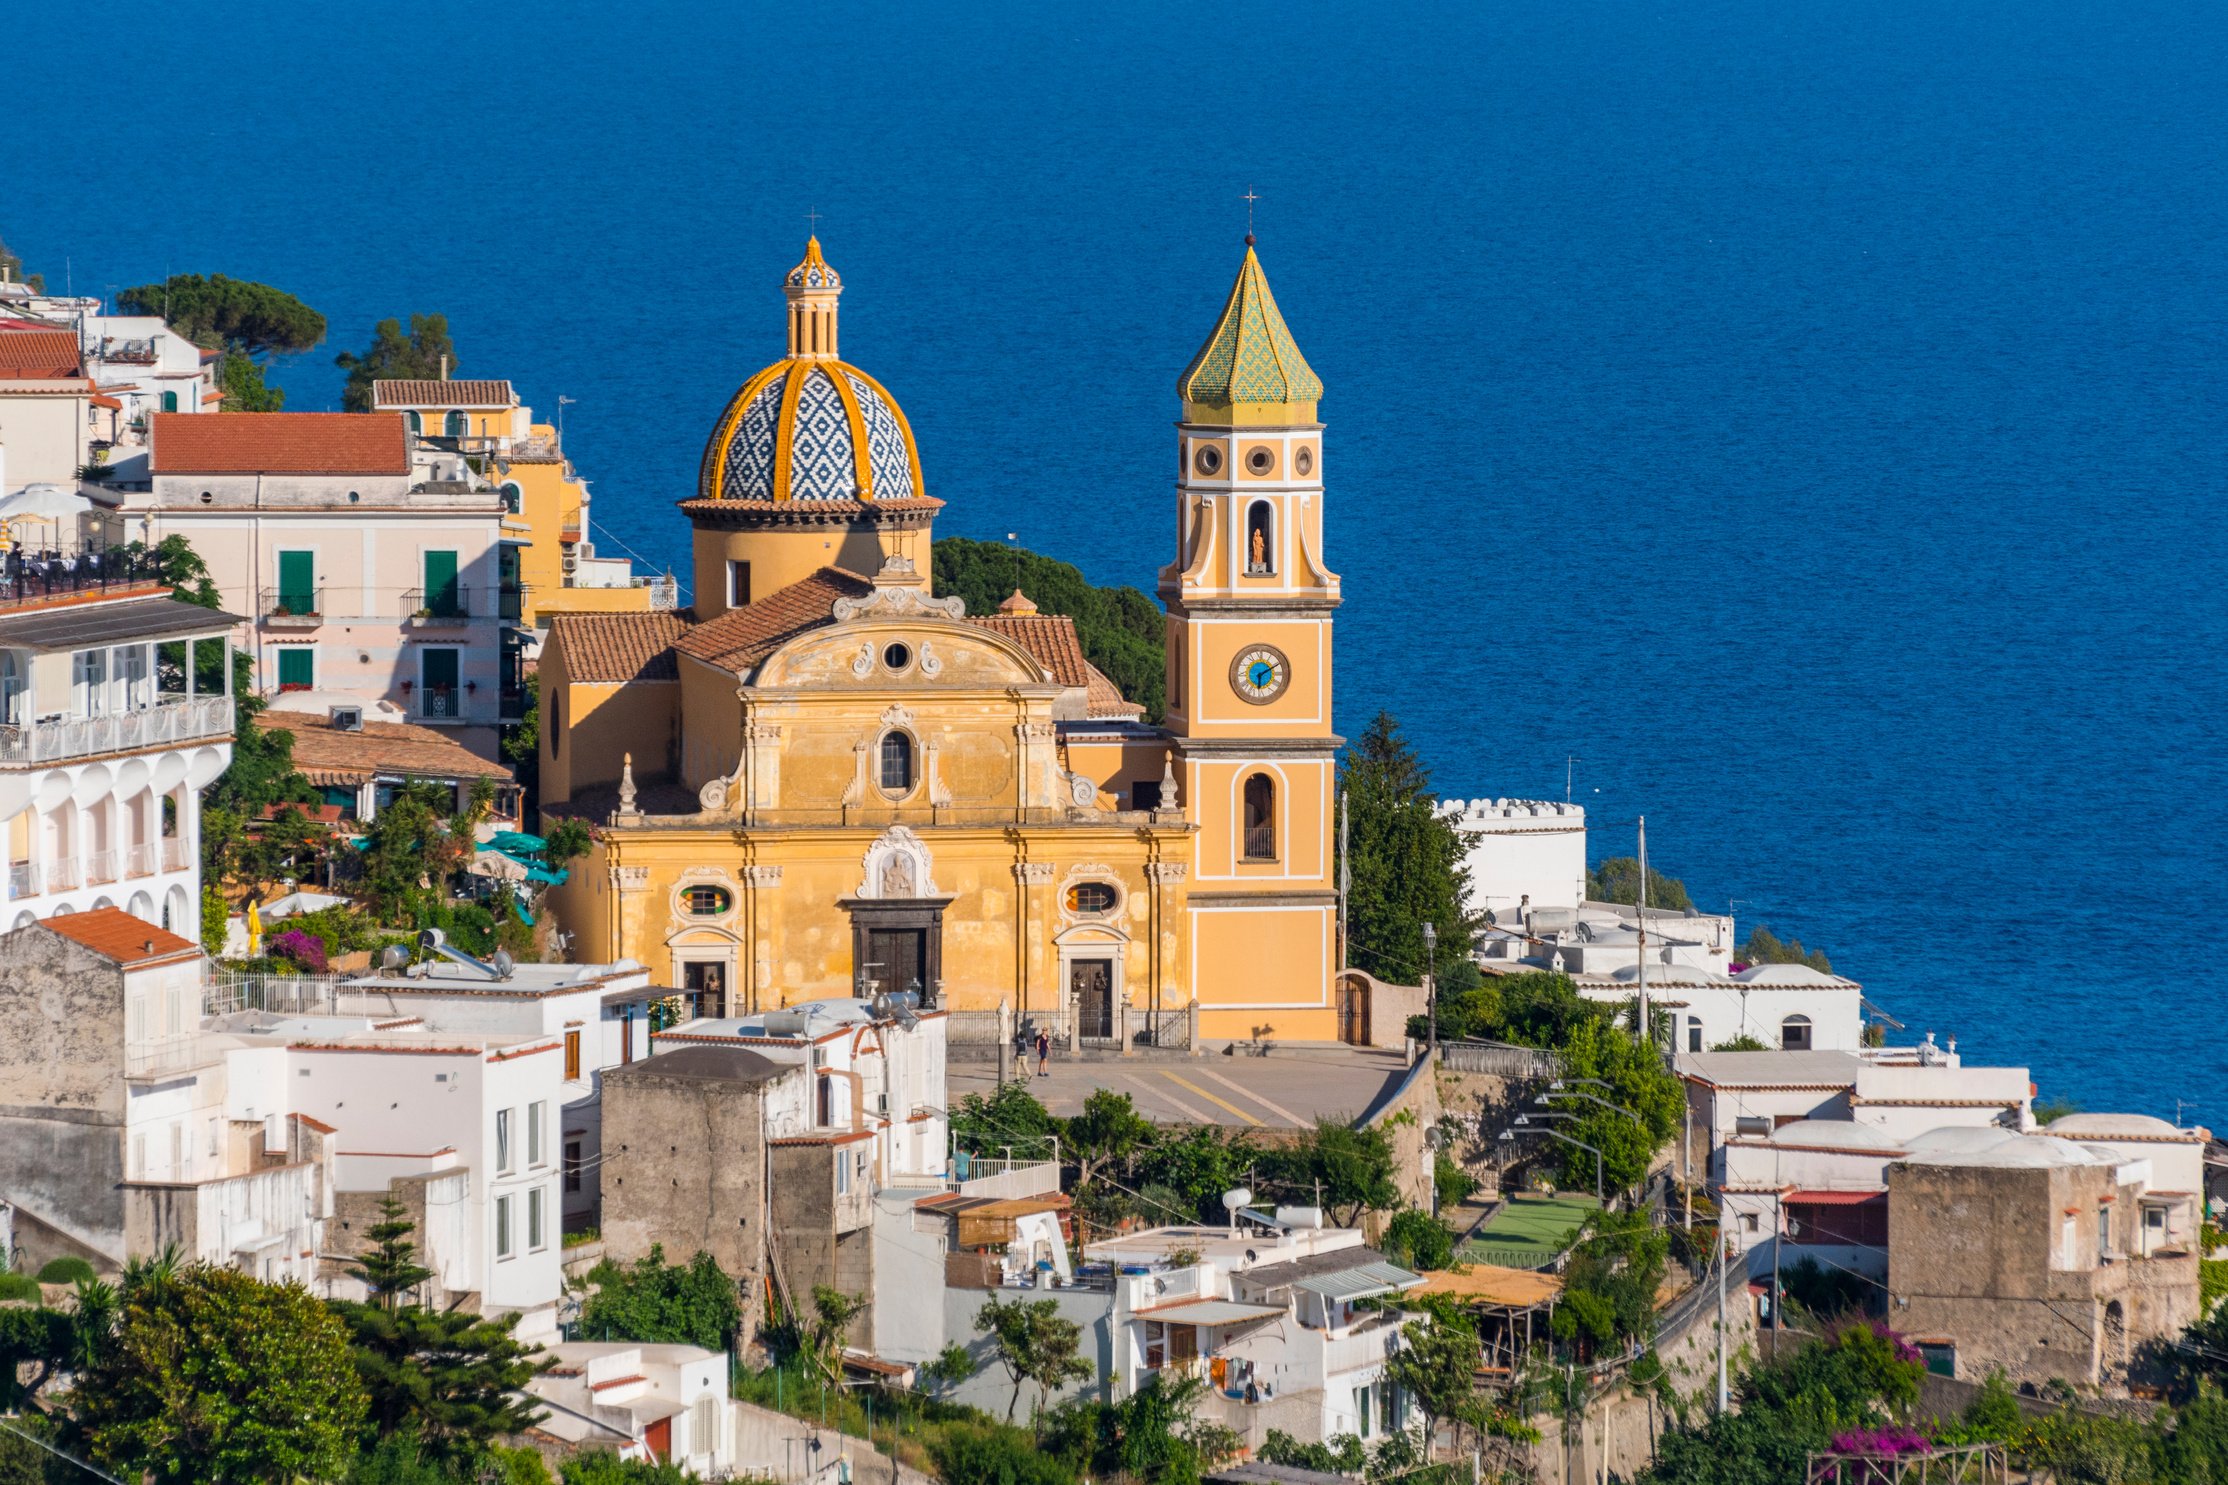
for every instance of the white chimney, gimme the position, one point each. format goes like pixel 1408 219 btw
pixel 444 368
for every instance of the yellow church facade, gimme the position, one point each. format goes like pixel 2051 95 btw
pixel 824 777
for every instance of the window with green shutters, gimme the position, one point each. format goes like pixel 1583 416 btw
pixel 439 674
pixel 297 668
pixel 297 585
pixel 443 598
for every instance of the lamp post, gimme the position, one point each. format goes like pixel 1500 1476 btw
pixel 1524 1120
pixel 1431 980
pixel 1605 1103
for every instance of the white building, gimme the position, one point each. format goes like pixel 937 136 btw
pixel 372 570
pixel 107 738
pixel 148 367
pixel 1521 854
pixel 46 405
pixel 661 1403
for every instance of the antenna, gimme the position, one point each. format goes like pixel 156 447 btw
pixel 1570 768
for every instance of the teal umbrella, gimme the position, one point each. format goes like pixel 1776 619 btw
pixel 516 842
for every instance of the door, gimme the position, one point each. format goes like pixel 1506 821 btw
pixel 1092 982
pixel 706 987
pixel 443 599
pixel 297 594
pixel 895 959
pixel 1353 1012
pixel 659 1437
pixel 439 676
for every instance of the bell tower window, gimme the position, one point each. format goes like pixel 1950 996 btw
pixel 1260 818
pixel 896 763
pixel 1260 540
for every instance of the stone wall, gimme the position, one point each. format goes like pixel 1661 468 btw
pixel 62 1090
pixel 1407 1114
pixel 683 1168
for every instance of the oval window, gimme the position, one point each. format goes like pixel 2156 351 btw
pixel 1208 461
pixel 1304 461
pixel 708 902
pixel 1091 897
pixel 897 657
pixel 1260 461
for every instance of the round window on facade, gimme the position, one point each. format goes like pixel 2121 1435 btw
pixel 896 657
pixel 1260 462
pixel 1208 461
pixel 708 902
pixel 1304 461
pixel 1091 897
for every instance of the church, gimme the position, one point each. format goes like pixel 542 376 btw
pixel 824 779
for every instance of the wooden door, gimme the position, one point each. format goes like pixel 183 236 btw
pixel 659 1436
pixel 1353 1012
pixel 1092 981
pixel 896 959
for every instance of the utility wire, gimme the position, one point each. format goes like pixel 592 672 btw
pixel 34 1439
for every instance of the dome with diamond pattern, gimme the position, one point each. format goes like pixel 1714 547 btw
pixel 811 426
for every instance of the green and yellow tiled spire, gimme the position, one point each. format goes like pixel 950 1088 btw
pixel 1250 373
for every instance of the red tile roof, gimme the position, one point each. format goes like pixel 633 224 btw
pixel 741 637
pixel 279 443
pixel 1052 639
pixel 115 934
pixel 617 648
pixel 442 394
pixel 39 355
pixel 331 756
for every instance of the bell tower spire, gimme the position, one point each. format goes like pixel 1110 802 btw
pixel 1250 600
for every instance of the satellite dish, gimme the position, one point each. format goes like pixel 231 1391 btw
pixel 1240 1197
pixel 503 963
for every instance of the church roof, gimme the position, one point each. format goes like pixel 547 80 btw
pixel 1052 641
pixel 1250 364
pixel 617 648
pixel 741 637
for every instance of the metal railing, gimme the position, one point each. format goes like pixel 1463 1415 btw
pixel 284 606
pixel 32 577
pixel 164 1054
pixel 23 879
pixel 440 703
pixel 143 860
pixel 175 855
pixel 61 875
pixel 437 605
pixel 101 868
pixel 1499 1059
pixel 172 721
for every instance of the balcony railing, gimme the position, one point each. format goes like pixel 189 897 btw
pixel 513 703
pixel 61 876
pixel 174 721
pixel 441 703
pixel 23 879
pixel 175 856
pixel 437 606
pixel 292 608
pixel 101 868
pixel 510 600
pixel 142 860
pixel 166 1054
pixel 30 577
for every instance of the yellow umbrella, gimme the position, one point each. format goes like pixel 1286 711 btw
pixel 255 931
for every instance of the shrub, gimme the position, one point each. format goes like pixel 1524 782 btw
pixel 1425 1241
pixel 19 1286
pixel 65 1270
pixel 300 949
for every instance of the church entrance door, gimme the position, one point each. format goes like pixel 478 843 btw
pixel 706 987
pixel 1091 981
pixel 897 959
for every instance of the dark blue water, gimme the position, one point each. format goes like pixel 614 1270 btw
pixel 1806 412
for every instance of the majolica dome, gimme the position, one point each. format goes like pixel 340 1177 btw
pixel 811 426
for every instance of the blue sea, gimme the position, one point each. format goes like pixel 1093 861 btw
pixel 1807 414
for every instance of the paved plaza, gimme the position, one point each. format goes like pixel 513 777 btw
pixel 1288 1089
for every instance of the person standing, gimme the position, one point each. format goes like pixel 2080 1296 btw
pixel 1044 1052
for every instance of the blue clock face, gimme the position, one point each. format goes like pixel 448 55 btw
pixel 1260 674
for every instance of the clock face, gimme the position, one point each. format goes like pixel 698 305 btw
pixel 1260 674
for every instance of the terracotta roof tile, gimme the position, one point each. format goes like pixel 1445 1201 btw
pixel 325 753
pixel 442 394
pixel 115 934
pixel 741 637
pixel 619 647
pixel 1052 639
pixel 278 443
pixel 38 355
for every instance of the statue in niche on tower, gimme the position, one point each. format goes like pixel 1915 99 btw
pixel 1260 550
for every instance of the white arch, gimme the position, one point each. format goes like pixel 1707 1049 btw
pixel 142 907
pixel 93 782
pixel 175 913
pixel 26 918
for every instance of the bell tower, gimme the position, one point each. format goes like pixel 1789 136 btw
pixel 1249 602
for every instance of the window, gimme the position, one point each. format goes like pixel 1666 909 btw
pixel 1694 1033
pixel 514 499
pixel 704 1425
pixel 843 1164
pixel 2066 1240
pixel 572 1056
pixel 297 584
pixel 170 402
pixel 89 679
pixel 897 763
pixel 1145 795
pixel 1091 897
pixel 535 1239
pixel 1794 1034
pixel 11 688
pixel 1260 540
pixel 708 902
pixel 414 423
pixel 502 1227
pixel 1260 818
pixel 572 1165
pixel 297 665
pixel 503 1139
pixel 442 599
pixel 1940 1357
pixel 536 1115
pixel 453 426
pixel 438 672
pixel 1749 1222
pixel 896 657
pixel 2103 1231
pixel 557 725
pixel 738 585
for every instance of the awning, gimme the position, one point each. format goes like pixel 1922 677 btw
pixel 1210 1312
pixel 1488 1283
pixel 1365 1282
pixel 1834 1198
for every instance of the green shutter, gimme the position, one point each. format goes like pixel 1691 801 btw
pixel 297 667
pixel 440 669
pixel 297 582
pixel 441 595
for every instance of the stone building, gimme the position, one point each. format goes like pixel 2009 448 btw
pixel 826 775
pixel 2026 1256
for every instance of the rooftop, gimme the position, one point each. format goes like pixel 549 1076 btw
pixel 2027 1152
pixel 278 443
pixel 705 1064
pixel 38 355
pixel 330 756
pixel 91 617
pixel 1771 1069
pixel 741 637
pixel 1052 642
pixel 2122 1126
pixel 618 648
pixel 442 394
pixel 116 935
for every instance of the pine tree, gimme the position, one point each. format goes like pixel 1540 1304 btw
pixel 390 1269
pixel 1405 859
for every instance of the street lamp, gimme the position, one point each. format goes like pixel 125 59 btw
pixel 1605 1103
pixel 1431 978
pixel 1525 1121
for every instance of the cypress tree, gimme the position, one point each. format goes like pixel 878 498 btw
pixel 1405 860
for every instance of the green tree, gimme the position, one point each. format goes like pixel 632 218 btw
pixel 1763 947
pixel 1618 880
pixel 1435 1365
pixel 693 1304
pixel 1404 859
pixel 1009 1115
pixel 604 1468
pixel 1638 1081
pixel 1420 1240
pixel 228 313
pixel 569 841
pixel 1122 632
pixel 521 746
pixel 240 378
pixel 11 267
pixel 1197 1164
pixel 211 1376
pixel 1034 1344
pixel 394 356
pixel 1108 1132
pixel 948 1368
pixel 1610 1281
pixel 1350 1168
pixel 988 1455
pixel 822 1333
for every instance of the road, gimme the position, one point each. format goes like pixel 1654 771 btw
pixel 1288 1089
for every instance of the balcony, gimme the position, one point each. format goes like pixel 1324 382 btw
pixel 513 704
pixel 440 606
pixel 101 868
pixel 143 860
pixel 23 880
pixel 31 580
pixel 170 722
pixel 440 703
pixel 61 876
pixel 288 608
pixel 510 601
pixel 175 856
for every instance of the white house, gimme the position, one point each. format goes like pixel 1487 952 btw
pixel 1521 854
pixel 662 1403
pixel 107 738
pixel 149 367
